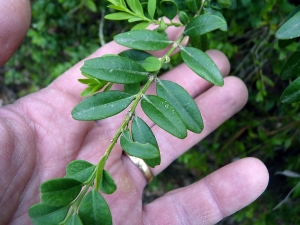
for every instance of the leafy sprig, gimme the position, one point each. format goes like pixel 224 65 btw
pixel 77 198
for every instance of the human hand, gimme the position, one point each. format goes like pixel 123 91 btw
pixel 39 138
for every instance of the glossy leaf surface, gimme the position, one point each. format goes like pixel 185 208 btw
pixel 164 115
pixel 74 220
pixel 60 191
pixel 292 93
pixel 143 134
pixel 151 64
pixel 102 105
pixel 118 16
pixel 107 184
pixel 203 24
pixel 214 12
pixel 115 69
pixel 42 214
pixel 94 210
pixel 193 5
pixel 290 29
pixel 291 68
pixel 136 55
pixel 185 105
pixel 169 9
pixel 139 150
pixel 80 170
pixel 151 6
pixel 202 65
pixel 143 40
pixel 135 6
pixel 140 26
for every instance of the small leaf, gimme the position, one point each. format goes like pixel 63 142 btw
pixel 142 151
pixel 136 55
pixel 203 24
pixel 211 11
pixel 200 42
pixel 74 220
pixel 136 6
pixel 107 184
pixel 115 69
pixel 183 18
pixel 80 170
pixel 42 214
pixel 118 16
pixel 202 65
pixel 99 172
pixel 291 68
pixel 288 173
pixel 168 8
pixel 132 89
pixel 143 40
pixel 290 29
pixel 142 133
pixel 193 5
pixel 134 19
pixel 60 191
pixel 152 64
pixel 182 102
pixel 225 3
pixel 151 8
pixel 164 115
pixel 140 26
pixel 102 105
pixel 94 210
pixel 91 5
pixel 292 93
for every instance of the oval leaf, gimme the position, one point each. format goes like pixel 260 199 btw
pixel 143 40
pixel 292 93
pixel 74 220
pixel 203 24
pixel 290 29
pixel 118 16
pixel 141 26
pixel 291 68
pixel 169 9
pixel 107 184
pixel 142 151
pixel 94 210
pixel 151 8
pixel 142 133
pixel 193 5
pixel 115 69
pixel 135 55
pixel 80 170
pixel 202 65
pixel 183 103
pixel 152 64
pixel 102 105
pixel 164 115
pixel 42 214
pixel 60 191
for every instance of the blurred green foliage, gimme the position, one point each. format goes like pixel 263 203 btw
pixel 64 32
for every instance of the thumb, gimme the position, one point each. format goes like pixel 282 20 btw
pixel 14 23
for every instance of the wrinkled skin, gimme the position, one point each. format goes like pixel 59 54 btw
pixel 38 138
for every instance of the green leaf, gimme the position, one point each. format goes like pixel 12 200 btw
pixel 134 19
pixel 136 6
pixel 203 24
pixel 143 40
pixel 183 103
pixel 80 170
pixel 143 151
pixel 152 64
pixel 211 11
pixel 118 16
pixel 132 89
pixel 94 210
pixel 183 18
pixel 282 43
pixel 91 5
pixel 291 68
pixel 140 26
pixel 225 3
pixel 292 93
pixel 142 133
pixel 115 69
pixel 107 184
pixel 290 29
pixel 164 115
pixel 42 214
pixel 99 172
pixel 202 65
pixel 169 9
pixel 151 8
pixel 136 55
pixel 60 191
pixel 74 220
pixel 102 105
pixel 200 42
pixel 193 5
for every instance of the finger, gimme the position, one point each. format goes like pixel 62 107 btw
pixel 14 23
pixel 216 105
pixel 218 195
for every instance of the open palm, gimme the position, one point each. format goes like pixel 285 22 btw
pixel 38 138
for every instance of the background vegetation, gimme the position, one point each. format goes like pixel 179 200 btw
pixel 65 31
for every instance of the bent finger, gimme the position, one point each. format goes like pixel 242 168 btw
pixel 218 195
